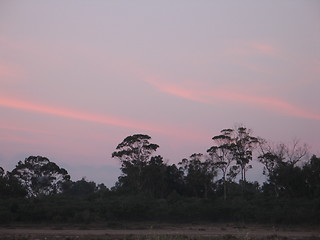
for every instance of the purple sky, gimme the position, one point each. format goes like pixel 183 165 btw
pixel 77 77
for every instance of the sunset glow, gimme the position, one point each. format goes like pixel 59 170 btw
pixel 88 117
pixel 215 96
pixel 77 78
pixel 37 108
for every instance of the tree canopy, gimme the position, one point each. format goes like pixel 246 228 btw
pixel 210 186
pixel 135 148
pixel 134 153
pixel 39 176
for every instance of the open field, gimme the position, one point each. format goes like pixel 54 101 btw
pixel 161 231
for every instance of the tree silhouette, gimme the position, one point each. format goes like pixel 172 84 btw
pixel 233 145
pixel 280 164
pixel 134 152
pixel 1 172
pixel 312 174
pixel 243 146
pixel 39 176
pixel 221 155
pixel 154 177
pixel 81 188
pixel 199 174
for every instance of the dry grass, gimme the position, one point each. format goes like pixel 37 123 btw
pixel 143 231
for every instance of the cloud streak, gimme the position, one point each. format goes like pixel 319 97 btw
pixel 29 106
pixel 263 49
pixel 252 48
pixel 71 114
pixel 219 94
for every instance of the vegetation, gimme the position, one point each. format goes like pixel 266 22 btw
pixel 209 186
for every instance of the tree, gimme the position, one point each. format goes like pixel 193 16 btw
pixel 39 176
pixel 1 172
pixel 288 180
pixel 154 177
pixel 221 155
pixel 233 145
pixel 10 186
pixel 281 164
pixel 174 180
pixel 134 152
pixel 291 153
pixel 81 188
pixel 2 182
pixel 199 174
pixel 243 146
pixel 312 173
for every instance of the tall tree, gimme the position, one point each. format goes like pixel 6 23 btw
pixel 221 155
pixel 243 147
pixel 134 152
pixel 39 176
pixel 234 145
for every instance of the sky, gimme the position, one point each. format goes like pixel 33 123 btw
pixel 77 77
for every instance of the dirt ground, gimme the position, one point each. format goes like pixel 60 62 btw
pixel 188 230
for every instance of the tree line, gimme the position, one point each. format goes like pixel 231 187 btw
pixel 210 186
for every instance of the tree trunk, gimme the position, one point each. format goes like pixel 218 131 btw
pixel 205 191
pixel 224 188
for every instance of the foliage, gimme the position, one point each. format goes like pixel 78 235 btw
pixel 281 167
pixel 221 154
pixel 199 175
pixel 243 147
pixel 312 177
pixel 80 188
pixel 232 153
pixel 135 148
pixel 134 152
pixel 149 189
pixel 39 176
pixel 10 186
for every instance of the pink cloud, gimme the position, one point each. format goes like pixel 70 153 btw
pixel 238 97
pixel 251 48
pixel 245 54
pixel 68 113
pixel 175 90
pixel 263 48
pixel 92 117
